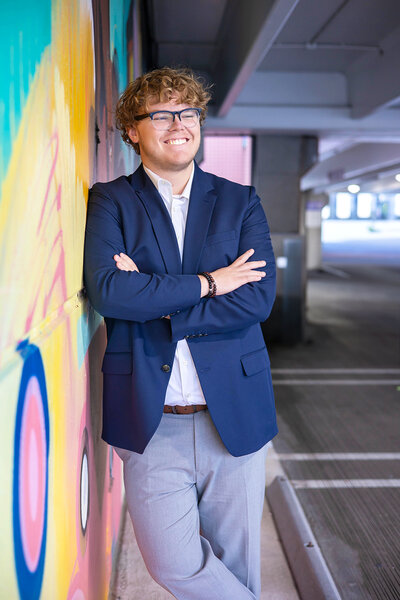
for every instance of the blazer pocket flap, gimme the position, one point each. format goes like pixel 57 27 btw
pixel 254 362
pixel 117 362
pixel 221 236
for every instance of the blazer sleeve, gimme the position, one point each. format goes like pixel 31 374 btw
pixel 245 306
pixel 121 294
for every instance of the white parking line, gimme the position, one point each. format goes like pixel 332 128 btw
pixel 338 456
pixel 321 484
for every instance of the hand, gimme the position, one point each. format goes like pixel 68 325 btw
pixel 237 274
pixel 124 262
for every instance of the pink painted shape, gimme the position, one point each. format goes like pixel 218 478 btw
pixel 54 138
pixel 58 273
pixel 33 470
pixel 78 595
pixel 32 474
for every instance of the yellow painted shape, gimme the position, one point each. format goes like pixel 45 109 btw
pixel 9 392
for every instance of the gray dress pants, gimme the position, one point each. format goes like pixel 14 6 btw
pixel 196 510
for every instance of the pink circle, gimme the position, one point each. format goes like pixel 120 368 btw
pixel 32 474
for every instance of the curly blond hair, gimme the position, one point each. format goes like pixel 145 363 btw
pixel 160 85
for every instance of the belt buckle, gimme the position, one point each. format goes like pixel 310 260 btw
pixel 174 410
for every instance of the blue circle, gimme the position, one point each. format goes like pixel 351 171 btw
pixel 29 583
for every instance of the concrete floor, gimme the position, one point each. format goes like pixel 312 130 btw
pixel 133 582
pixel 337 398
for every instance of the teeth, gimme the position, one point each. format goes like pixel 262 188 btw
pixel 176 142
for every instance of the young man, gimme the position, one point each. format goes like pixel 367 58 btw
pixel 188 402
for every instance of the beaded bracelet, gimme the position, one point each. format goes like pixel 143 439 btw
pixel 212 286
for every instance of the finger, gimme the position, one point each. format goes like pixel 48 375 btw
pixel 243 257
pixel 122 267
pixel 121 261
pixel 126 265
pixel 256 276
pixel 121 257
pixel 254 264
pixel 125 257
pixel 126 261
pixel 252 276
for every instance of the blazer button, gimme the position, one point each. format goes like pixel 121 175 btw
pixel 166 368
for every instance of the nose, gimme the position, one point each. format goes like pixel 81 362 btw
pixel 176 123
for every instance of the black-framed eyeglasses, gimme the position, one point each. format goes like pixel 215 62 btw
pixel 163 119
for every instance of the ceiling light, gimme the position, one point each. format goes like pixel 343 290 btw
pixel 397 177
pixel 353 188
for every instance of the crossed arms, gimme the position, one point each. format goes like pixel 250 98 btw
pixel 117 288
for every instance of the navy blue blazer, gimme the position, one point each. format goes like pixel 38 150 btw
pixel 224 335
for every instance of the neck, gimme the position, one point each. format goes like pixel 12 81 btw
pixel 178 179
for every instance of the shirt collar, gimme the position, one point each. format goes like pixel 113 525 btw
pixel 160 183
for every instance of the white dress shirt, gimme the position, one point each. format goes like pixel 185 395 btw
pixel 184 385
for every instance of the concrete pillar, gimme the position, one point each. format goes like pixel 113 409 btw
pixel 278 165
pixel 354 201
pixel 314 204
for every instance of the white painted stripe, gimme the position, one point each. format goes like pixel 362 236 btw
pixel 338 371
pixel 320 484
pixel 339 456
pixel 336 382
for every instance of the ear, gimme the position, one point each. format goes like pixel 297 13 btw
pixel 132 134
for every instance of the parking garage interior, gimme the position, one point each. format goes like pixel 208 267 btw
pixel 313 86
pixel 305 107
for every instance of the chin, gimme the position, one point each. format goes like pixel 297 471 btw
pixel 180 166
pixel 181 162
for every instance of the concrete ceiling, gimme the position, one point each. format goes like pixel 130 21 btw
pixel 353 164
pixel 328 68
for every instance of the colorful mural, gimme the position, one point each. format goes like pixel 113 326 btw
pixel 63 64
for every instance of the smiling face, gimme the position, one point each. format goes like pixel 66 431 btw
pixel 168 151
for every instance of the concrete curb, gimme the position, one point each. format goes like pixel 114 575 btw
pixel 309 569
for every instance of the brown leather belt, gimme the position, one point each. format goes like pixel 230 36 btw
pixel 184 410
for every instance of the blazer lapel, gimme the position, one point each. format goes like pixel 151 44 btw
pixel 160 220
pixel 201 206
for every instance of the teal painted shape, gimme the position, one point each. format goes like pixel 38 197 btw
pixel 86 328
pixel 119 14
pixel 25 31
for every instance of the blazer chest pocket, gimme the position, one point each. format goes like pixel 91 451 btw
pixel 221 236
pixel 255 362
pixel 119 363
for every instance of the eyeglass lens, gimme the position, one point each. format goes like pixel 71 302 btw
pixel 163 120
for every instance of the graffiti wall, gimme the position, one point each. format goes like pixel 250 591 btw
pixel 63 64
